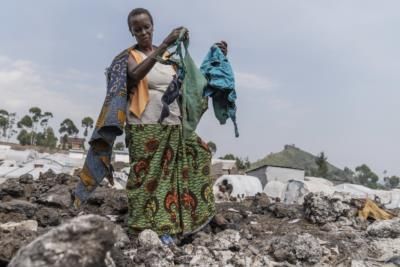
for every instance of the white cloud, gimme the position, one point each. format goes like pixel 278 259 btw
pixel 100 36
pixel 24 84
pixel 254 81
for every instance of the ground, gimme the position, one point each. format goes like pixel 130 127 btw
pixel 323 231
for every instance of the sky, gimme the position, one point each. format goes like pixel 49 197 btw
pixel 322 75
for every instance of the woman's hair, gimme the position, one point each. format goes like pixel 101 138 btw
pixel 138 11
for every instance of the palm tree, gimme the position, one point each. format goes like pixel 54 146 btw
pixel 87 123
pixel 68 128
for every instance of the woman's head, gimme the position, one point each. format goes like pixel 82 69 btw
pixel 140 24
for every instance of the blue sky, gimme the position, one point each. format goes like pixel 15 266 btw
pixel 322 75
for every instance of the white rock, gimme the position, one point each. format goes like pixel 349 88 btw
pixel 29 225
pixel 149 238
pixel 223 256
pixel 226 239
pixel 385 228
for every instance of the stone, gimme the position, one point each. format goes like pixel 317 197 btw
pixel 121 237
pixel 329 227
pixel 18 206
pixel 260 202
pixel 84 241
pixel 58 196
pixel 149 238
pixel 154 256
pixel 223 256
pixel 320 208
pixel 48 217
pixel 12 241
pixel 63 178
pixel 26 179
pixel 225 240
pixel 12 187
pixel 202 257
pixel 385 228
pixel 282 210
pixel 297 248
pixel 28 225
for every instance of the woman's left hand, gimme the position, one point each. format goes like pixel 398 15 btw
pixel 223 46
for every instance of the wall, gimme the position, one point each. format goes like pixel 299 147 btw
pixel 283 174
pixel 260 174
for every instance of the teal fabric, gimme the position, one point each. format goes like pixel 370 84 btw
pixel 193 102
pixel 221 85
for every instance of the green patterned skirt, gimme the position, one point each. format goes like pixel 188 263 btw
pixel 169 185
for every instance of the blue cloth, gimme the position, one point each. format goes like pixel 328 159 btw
pixel 109 125
pixel 221 85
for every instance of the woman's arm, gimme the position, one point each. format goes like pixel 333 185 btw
pixel 138 71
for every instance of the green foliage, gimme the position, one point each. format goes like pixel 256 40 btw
pixel 87 122
pixel 32 122
pixel 212 146
pixel 119 146
pixel 7 124
pixel 25 123
pixel 229 157
pixel 68 127
pixel 241 164
pixel 36 113
pixel 392 182
pixel 322 163
pixel 366 176
pixel 47 139
pixel 24 137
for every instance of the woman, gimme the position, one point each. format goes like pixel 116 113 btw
pixel 169 186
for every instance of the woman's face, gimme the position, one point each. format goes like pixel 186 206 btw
pixel 142 29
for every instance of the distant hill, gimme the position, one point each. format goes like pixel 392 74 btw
pixel 294 157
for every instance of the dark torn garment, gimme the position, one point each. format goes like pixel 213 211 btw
pixel 110 124
pixel 171 94
pixel 221 85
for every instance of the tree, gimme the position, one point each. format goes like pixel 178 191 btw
pixel 366 176
pixel 68 128
pixel 24 137
pixel 241 164
pixel 87 122
pixel 47 139
pixel 392 182
pixel 7 123
pixel 229 157
pixel 25 124
pixel 33 121
pixel 322 163
pixel 119 146
pixel 212 146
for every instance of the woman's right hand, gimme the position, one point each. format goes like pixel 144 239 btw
pixel 174 35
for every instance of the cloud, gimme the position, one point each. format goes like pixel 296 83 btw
pixel 24 84
pixel 254 81
pixel 100 36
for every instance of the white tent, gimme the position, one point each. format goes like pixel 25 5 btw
pixel 275 189
pixel 242 185
pixel 296 190
pixel 390 198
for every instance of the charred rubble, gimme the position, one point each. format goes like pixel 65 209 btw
pixel 39 227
